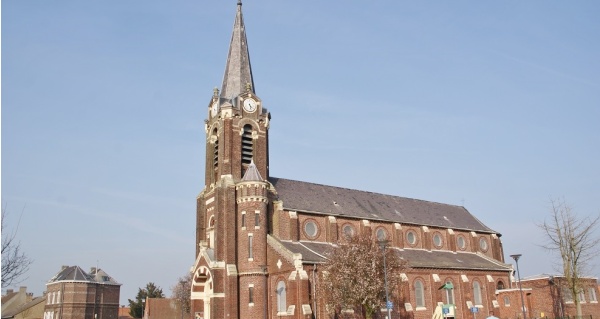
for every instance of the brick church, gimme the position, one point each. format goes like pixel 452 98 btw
pixel 261 240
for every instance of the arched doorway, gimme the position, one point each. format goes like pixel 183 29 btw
pixel 202 289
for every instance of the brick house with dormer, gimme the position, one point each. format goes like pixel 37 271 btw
pixel 75 294
pixel 261 240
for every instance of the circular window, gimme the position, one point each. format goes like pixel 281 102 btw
pixel 460 241
pixel 381 234
pixel 348 230
pixel 411 237
pixel 483 244
pixel 310 228
pixel 437 240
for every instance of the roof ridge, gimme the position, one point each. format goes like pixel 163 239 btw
pixel 370 192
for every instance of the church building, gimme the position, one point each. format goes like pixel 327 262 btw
pixel 261 240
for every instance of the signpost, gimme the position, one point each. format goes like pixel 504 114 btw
pixel 474 310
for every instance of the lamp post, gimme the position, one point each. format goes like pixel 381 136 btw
pixel 383 244
pixel 516 258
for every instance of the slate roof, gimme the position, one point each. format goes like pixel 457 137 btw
pixel 337 201
pixel 252 173
pixel 75 273
pixel 238 71
pixel 312 252
pixel 13 312
pixel 419 258
pixel 317 252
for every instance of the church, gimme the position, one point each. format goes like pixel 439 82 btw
pixel 261 240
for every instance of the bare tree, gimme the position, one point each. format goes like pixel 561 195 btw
pixel 181 292
pixel 353 277
pixel 573 239
pixel 15 262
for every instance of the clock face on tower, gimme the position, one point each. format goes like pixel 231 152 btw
pixel 214 108
pixel 249 105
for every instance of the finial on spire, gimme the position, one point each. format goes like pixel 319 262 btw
pixel 215 92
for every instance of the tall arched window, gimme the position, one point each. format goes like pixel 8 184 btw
pixel 449 293
pixel 281 299
pixel 419 294
pixel 477 293
pixel 247 144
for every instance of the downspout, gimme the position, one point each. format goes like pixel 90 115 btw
pixel 62 297
pixel 314 292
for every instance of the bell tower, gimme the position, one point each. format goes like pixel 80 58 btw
pixel 231 214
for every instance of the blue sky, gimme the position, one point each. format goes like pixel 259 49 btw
pixel 490 105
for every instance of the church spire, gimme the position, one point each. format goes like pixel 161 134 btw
pixel 238 73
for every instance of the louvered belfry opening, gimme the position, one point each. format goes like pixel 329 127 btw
pixel 247 151
pixel 216 150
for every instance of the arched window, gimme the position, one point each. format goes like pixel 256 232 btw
pixel 449 293
pixel 477 293
pixel 247 144
pixel 281 299
pixel 348 230
pixel 500 285
pixel 419 294
pixel 381 234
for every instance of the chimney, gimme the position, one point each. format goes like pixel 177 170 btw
pixel 9 291
pixel 63 267
pixel 23 289
pixel 93 270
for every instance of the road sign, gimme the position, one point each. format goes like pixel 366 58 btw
pixel 474 309
pixel 389 305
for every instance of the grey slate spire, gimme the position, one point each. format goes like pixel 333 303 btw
pixel 238 73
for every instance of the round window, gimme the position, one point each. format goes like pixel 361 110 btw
pixel 483 244
pixel 437 240
pixel 460 241
pixel 381 234
pixel 411 237
pixel 348 230
pixel 310 228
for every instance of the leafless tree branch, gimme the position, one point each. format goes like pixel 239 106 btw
pixel 573 239
pixel 15 262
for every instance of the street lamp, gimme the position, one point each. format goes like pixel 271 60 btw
pixel 516 258
pixel 383 244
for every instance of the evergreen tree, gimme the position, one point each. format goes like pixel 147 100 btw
pixel 136 307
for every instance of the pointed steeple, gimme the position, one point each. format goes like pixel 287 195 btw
pixel 238 73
